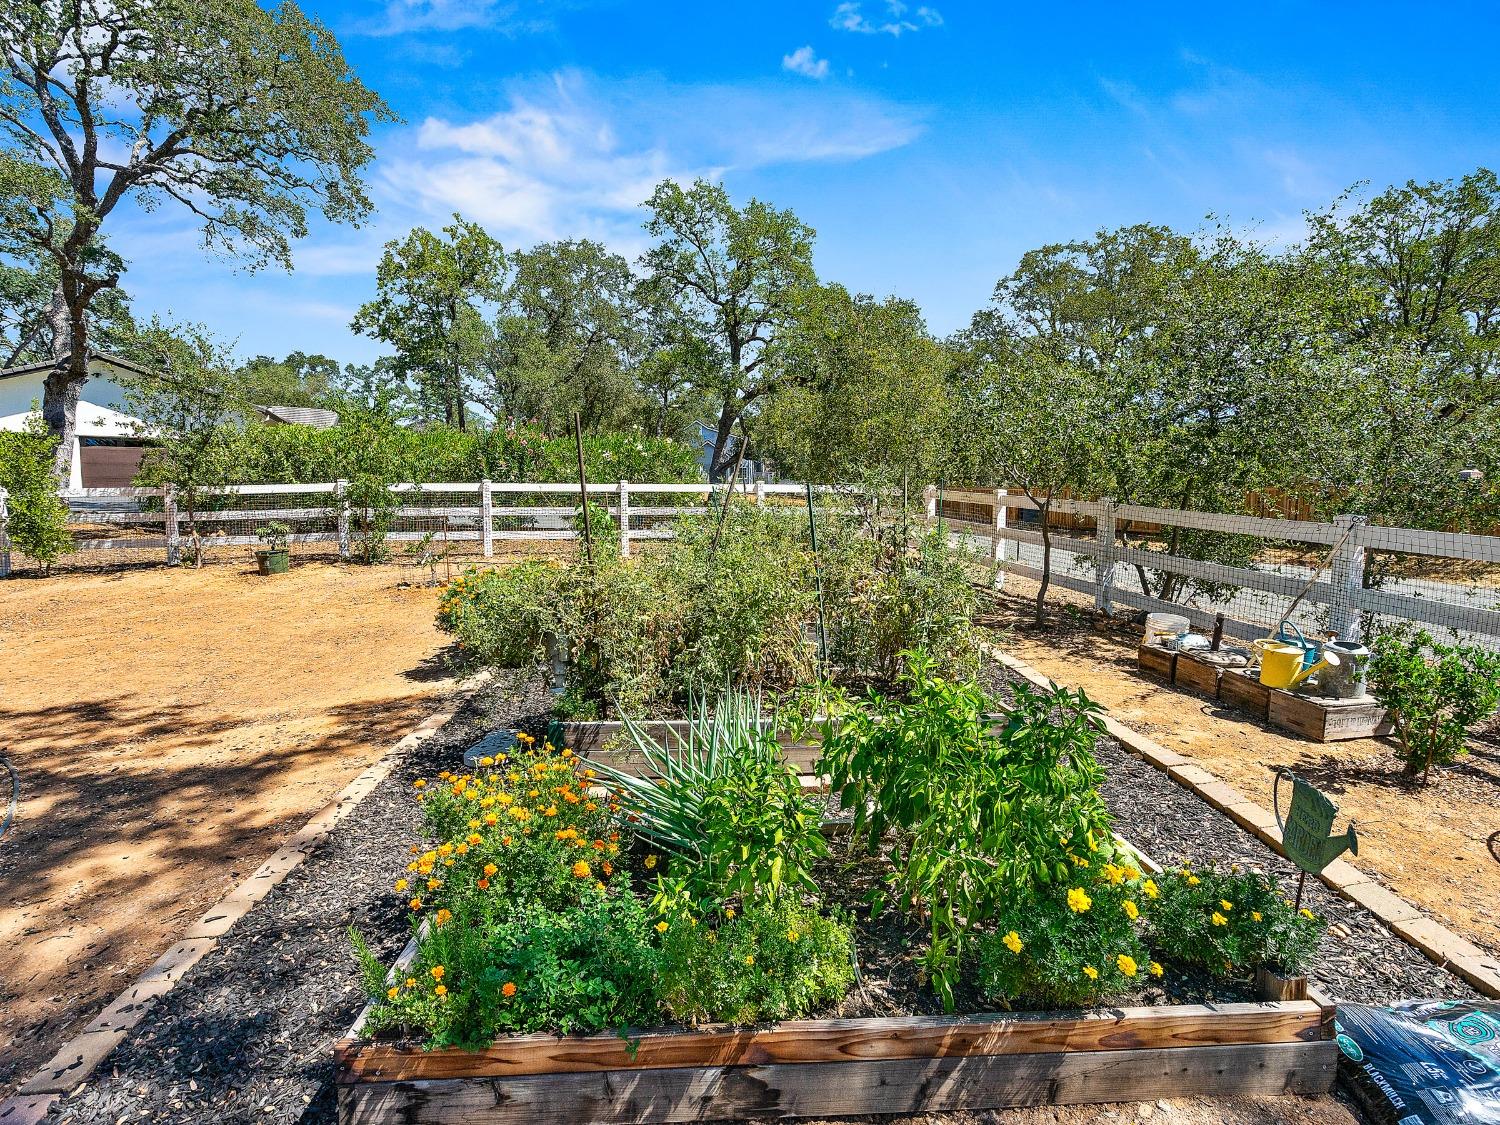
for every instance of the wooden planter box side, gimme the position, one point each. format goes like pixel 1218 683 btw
pixel 1198 675
pixel 1242 689
pixel 838 1067
pixel 1158 663
pixel 1328 720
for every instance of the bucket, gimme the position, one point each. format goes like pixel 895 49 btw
pixel 1347 679
pixel 1163 629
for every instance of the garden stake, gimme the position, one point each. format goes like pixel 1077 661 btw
pixel 734 474
pixel 583 492
pixel 812 531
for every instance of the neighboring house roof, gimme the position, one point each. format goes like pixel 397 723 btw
pixel 93 420
pixel 299 416
pixel 107 359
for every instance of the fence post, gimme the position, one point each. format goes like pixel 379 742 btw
pixel 341 500
pixel 1000 548
pixel 4 535
pixel 1104 562
pixel 1347 576
pixel 486 518
pixel 174 530
pixel 624 515
pixel 760 493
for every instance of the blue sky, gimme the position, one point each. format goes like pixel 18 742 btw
pixel 928 145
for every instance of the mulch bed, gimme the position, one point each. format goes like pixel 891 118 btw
pixel 246 1035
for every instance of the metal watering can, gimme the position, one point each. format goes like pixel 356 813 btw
pixel 1285 663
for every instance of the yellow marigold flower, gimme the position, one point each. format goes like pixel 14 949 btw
pixel 581 870
pixel 420 783
pixel 792 935
pixel 401 884
pixel 1126 964
pixel 442 917
pixel 474 837
pixel 1193 880
pixel 1149 889
pixel 441 990
pixel 490 869
pixel 533 793
pixel 392 992
pixel 1255 915
pixel 411 982
pixel 1219 919
pixel 1156 970
pixel 589 806
pixel 437 972
pixel 462 849
pixel 1091 972
pixel 1306 913
pixel 729 913
pixel 486 761
pixel 474 824
pixel 661 927
pixel 506 800
pixel 445 849
pixel 1226 905
pixel 650 862
pixel 1132 911
pixel 1078 900
pixel 551 811
pixel 1132 873
pixel 1013 942
pixel 434 884
pixel 491 819
pixel 749 958
pixel 1115 875
pixel 415 904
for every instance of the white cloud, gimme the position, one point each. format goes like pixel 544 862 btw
pixel 399 17
pixel 850 16
pixel 568 157
pixel 805 61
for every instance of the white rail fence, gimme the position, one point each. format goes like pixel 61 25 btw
pixel 1449 585
pixel 479 513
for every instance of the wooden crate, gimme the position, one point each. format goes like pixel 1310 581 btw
pixel 1156 662
pixel 1199 675
pixel 1241 688
pixel 818 1068
pixel 1328 720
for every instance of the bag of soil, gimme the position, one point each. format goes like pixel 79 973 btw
pixel 1423 1062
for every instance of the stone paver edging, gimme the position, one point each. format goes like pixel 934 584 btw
pixel 78 1058
pixel 1444 947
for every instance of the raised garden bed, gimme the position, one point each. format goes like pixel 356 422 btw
pixel 912 1064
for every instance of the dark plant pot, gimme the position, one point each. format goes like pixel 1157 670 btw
pixel 1273 985
pixel 273 562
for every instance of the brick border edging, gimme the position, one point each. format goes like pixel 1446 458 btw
pixel 77 1059
pixel 1441 945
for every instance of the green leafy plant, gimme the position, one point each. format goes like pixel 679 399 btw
pixel 982 816
pixel 274 536
pixel 773 961
pixel 1070 944
pixel 1436 694
pixel 37 520
pixel 727 807
pixel 500 617
pixel 1230 921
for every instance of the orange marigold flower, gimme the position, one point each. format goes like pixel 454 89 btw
pixel 580 870
pixel 490 869
pixel 483 884
pixel 442 917
pixel 437 972
pixel 508 989
pixel 420 783
pixel 415 904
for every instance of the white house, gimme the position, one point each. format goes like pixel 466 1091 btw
pixel 108 445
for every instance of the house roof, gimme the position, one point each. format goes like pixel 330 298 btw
pixel 93 420
pixel 106 358
pixel 300 416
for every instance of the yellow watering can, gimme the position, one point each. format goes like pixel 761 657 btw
pixel 1282 666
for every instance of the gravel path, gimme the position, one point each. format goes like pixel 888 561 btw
pixel 246 1035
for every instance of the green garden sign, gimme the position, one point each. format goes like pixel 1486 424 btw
pixel 1307 830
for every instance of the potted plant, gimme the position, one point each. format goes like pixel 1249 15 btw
pixel 274 558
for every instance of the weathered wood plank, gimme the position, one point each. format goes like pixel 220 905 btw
pixel 1242 688
pixel 1327 720
pixel 843 1040
pixel 1199 675
pixel 1156 661
pixel 861 1087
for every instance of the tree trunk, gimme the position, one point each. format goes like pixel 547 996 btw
pixel 1041 593
pixel 718 461
pixel 63 386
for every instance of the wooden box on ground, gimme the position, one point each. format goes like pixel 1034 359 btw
pixel 1328 720
pixel 1159 663
pixel 818 1068
pixel 1199 675
pixel 1241 688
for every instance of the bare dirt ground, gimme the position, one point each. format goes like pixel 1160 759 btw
pixel 1438 846
pixel 171 727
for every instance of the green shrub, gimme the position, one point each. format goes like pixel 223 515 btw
pixel 592 967
pixel 773 961
pixel 1071 943
pixel 1436 694
pixel 500 617
pixel 985 818
pixel 1230 921
pixel 37 520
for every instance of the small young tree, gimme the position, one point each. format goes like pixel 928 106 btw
pixel 1036 423
pixel 1436 695
pixel 37 521
pixel 188 409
